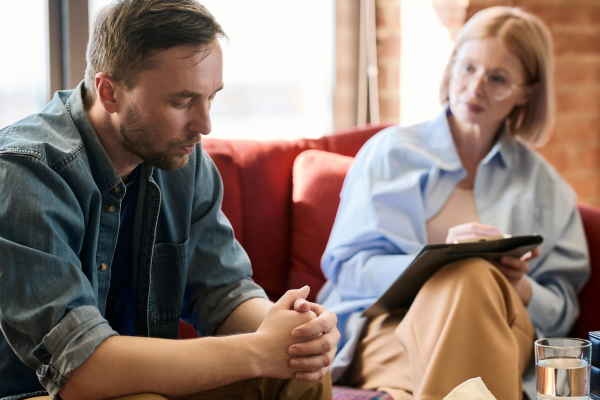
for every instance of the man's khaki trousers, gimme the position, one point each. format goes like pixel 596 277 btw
pixel 467 321
pixel 251 389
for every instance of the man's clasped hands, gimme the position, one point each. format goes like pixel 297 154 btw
pixel 298 338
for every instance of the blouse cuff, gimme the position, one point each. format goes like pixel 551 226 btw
pixel 543 309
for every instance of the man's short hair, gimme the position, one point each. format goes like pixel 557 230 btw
pixel 128 33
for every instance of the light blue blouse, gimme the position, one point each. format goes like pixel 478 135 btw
pixel 402 177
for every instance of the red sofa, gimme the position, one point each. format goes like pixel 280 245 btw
pixel 282 208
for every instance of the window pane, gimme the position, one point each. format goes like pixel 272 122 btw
pixel 278 68
pixel 93 7
pixel 24 82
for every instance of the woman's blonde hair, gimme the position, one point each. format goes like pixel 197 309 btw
pixel 525 36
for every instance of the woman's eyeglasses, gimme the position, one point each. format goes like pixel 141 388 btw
pixel 497 84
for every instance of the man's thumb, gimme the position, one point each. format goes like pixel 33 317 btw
pixel 287 300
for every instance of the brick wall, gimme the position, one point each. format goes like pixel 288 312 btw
pixel 574 148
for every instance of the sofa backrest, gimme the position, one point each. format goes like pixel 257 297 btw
pixel 257 179
pixel 589 319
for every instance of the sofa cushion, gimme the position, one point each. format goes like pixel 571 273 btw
pixel 257 198
pixel 589 320
pixel 318 177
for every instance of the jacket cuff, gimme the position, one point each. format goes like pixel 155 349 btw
pixel 543 309
pixel 68 345
pixel 223 300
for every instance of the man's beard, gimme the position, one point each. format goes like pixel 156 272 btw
pixel 137 139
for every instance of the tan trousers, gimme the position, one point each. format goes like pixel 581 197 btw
pixel 251 389
pixel 467 321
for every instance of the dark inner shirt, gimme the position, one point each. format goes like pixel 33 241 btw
pixel 119 302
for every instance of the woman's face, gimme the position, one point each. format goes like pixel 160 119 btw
pixel 482 83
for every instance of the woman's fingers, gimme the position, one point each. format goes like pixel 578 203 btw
pixel 509 273
pixel 515 263
pixel 471 230
pixel 530 255
pixel 476 228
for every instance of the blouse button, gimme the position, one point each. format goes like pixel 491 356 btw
pixel 103 267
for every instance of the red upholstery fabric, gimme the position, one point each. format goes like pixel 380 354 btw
pixel 257 178
pixel 285 238
pixel 318 177
pixel 589 320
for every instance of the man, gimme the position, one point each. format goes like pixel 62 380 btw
pixel 111 231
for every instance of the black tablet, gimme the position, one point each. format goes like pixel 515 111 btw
pixel 432 257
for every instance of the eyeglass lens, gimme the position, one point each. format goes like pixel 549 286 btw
pixel 498 84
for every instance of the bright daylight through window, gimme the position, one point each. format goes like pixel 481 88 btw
pixel 278 68
pixel 24 87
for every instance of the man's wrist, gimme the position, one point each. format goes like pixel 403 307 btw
pixel 249 351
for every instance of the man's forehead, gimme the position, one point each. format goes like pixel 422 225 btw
pixel 187 56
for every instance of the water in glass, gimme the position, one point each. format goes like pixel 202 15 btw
pixel 563 378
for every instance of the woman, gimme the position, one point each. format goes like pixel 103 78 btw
pixel 467 173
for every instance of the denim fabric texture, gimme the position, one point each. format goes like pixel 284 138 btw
pixel 58 236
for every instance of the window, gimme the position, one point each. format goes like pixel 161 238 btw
pixel 278 68
pixel 24 70
pixel 426 47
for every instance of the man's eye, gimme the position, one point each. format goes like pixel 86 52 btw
pixel 181 105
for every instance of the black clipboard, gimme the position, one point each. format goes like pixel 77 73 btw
pixel 432 257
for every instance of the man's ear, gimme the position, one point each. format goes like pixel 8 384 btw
pixel 106 87
pixel 527 93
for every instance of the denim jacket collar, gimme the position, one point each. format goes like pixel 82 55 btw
pixel 104 173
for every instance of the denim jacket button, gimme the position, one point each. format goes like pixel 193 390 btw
pixel 110 208
pixel 103 267
pixel 116 189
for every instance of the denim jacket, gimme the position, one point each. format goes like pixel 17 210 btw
pixel 60 199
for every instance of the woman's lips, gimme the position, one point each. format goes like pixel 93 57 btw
pixel 474 107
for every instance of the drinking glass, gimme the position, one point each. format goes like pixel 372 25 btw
pixel 563 368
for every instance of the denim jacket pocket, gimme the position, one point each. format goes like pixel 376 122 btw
pixel 167 282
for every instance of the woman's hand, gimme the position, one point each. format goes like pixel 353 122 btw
pixel 472 230
pixel 515 269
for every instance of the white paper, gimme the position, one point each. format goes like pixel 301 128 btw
pixel 473 389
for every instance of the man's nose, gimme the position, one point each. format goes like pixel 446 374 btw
pixel 200 119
